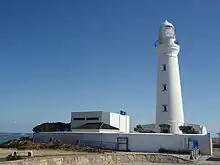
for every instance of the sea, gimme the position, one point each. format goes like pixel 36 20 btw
pixel 4 137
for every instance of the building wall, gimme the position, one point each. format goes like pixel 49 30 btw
pixel 80 118
pixel 114 119
pixel 150 142
pixel 124 123
pixel 204 130
pixel 120 121
pixel 106 117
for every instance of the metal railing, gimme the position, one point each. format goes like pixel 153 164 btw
pixel 194 154
pixel 158 42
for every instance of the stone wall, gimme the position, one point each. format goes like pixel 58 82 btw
pixel 99 159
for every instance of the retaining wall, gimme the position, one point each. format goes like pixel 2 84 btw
pixel 99 159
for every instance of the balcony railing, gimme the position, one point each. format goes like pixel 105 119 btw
pixel 158 42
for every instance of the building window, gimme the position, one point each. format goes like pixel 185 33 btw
pixel 164 108
pixel 164 67
pixel 79 118
pixel 164 87
pixel 92 118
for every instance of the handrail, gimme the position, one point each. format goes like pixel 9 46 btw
pixel 194 154
pixel 159 42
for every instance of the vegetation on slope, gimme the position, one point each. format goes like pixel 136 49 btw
pixel 27 143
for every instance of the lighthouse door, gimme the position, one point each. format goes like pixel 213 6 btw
pixel 122 143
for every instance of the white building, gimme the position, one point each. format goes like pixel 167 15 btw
pixel 100 121
pixel 169 106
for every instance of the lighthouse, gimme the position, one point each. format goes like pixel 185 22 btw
pixel 169 106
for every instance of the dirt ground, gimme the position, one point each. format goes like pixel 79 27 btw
pixel 216 151
pixel 43 152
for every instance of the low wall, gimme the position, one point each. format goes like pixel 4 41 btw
pixel 100 159
pixel 138 142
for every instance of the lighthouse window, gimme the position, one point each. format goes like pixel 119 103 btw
pixel 164 67
pixel 164 108
pixel 164 87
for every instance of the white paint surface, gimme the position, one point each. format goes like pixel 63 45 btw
pixel 122 122
pixel 150 142
pixel 167 51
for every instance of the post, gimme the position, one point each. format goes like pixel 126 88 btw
pixel 126 124
pixel 119 123
pixel 192 154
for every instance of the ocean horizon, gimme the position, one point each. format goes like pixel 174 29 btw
pixel 4 137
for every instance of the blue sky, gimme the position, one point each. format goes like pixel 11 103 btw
pixel 63 56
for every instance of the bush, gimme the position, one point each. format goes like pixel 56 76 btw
pixel 52 127
pixel 188 130
pixel 140 129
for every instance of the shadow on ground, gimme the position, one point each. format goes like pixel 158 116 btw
pixel 2 159
pixel 213 159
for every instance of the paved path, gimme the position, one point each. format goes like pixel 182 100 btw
pixel 202 161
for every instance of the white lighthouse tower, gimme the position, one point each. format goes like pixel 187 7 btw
pixel 169 108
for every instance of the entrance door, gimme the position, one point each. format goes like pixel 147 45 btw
pixel 122 143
